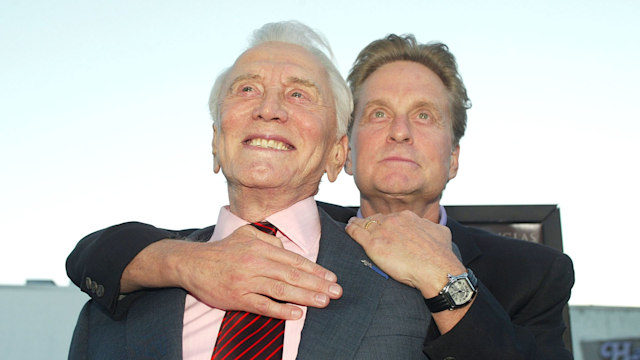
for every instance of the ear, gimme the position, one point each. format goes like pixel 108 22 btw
pixel 214 150
pixel 348 165
pixel 453 162
pixel 336 159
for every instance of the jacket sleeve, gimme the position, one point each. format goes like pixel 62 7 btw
pixel 99 259
pixel 531 329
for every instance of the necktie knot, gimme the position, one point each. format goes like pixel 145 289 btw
pixel 266 227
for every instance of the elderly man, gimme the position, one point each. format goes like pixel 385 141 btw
pixel 280 119
pixel 410 113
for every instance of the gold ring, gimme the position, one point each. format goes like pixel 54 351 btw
pixel 368 223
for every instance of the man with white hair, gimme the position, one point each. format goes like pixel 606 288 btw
pixel 280 119
pixel 409 116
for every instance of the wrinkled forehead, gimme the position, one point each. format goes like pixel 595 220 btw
pixel 280 61
pixel 405 83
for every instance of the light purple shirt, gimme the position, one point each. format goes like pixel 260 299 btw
pixel 299 230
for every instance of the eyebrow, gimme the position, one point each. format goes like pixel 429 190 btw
pixel 428 104
pixel 291 80
pixel 416 104
pixel 377 102
pixel 242 78
pixel 304 82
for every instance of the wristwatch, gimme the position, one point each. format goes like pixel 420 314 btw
pixel 458 292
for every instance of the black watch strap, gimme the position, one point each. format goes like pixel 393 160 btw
pixel 441 302
pixel 438 303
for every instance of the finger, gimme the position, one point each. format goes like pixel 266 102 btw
pixel 283 291
pixel 299 286
pixel 291 258
pixel 265 261
pixel 368 223
pixel 303 264
pixel 285 265
pixel 356 230
pixel 297 261
pixel 263 305
pixel 357 221
pixel 270 239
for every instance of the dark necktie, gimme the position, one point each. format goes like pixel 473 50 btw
pixel 245 335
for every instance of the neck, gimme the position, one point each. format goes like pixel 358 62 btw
pixel 429 210
pixel 253 204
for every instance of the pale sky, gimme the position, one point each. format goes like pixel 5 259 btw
pixel 103 117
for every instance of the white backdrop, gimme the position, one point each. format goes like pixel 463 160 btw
pixel 103 117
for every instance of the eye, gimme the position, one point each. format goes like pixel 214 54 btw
pixel 247 89
pixel 423 116
pixel 378 114
pixel 296 94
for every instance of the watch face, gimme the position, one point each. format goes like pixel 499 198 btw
pixel 460 292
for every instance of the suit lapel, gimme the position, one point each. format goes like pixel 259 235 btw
pixel 468 248
pixel 337 331
pixel 202 235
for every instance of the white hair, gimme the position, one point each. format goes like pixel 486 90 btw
pixel 296 33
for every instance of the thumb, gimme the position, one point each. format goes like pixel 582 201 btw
pixel 270 239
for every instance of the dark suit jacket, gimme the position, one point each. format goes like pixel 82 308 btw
pixel 523 288
pixel 517 314
pixel 366 323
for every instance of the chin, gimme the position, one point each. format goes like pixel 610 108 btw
pixel 266 179
pixel 399 182
pixel 397 189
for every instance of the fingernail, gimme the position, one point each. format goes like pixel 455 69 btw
pixel 296 313
pixel 322 299
pixel 330 277
pixel 334 289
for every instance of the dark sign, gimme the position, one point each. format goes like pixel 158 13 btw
pixel 520 231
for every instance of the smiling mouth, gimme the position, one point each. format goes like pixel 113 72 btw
pixel 269 144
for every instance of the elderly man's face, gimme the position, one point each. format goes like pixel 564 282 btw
pixel 401 138
pixel 278 125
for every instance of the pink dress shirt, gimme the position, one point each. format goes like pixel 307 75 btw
pixel 299 231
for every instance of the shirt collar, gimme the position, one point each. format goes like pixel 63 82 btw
pixel 299 223
pixel 443 216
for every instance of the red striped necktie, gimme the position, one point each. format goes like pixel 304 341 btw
pixel 245 335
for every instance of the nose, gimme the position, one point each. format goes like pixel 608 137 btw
pixel 400 130
pixel 271 107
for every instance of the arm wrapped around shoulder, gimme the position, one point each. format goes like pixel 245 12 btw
pixel 99 259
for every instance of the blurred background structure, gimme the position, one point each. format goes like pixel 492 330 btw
pixel 39 317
